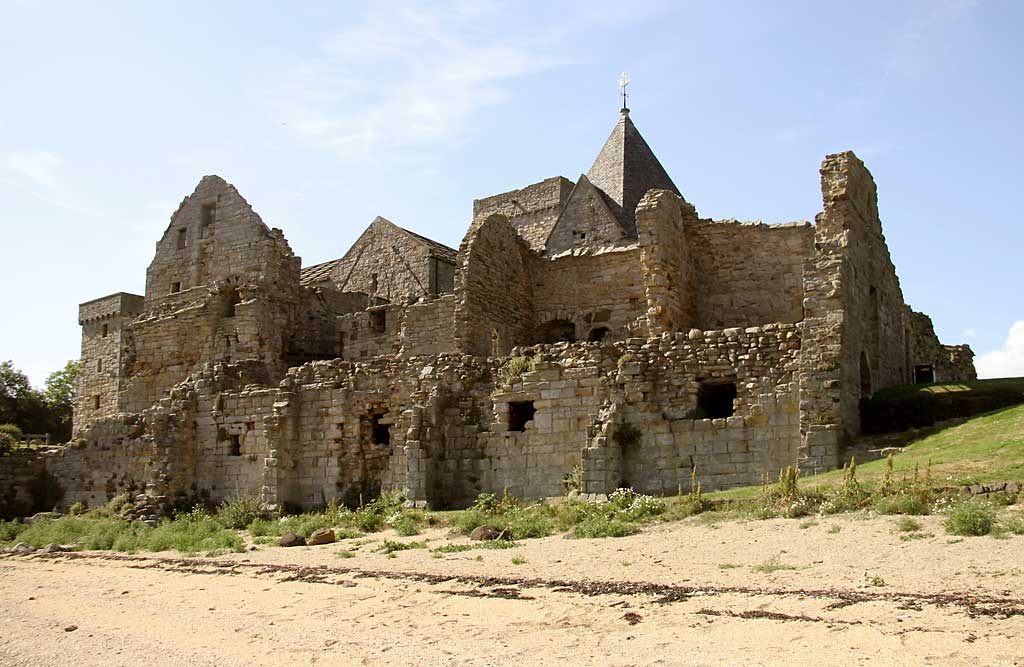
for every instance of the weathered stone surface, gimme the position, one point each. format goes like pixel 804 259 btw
pixel 321 536
pixel 487 534
pixel 290 539
pixel 580 332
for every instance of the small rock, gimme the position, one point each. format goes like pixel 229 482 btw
pixel 41 515
pixel 291 540
pixel 486 534
pixel 322 536
pixel 23 548
pixel 70 628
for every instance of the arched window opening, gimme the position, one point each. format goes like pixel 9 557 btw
pixel 597 334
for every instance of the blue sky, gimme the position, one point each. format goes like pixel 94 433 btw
pixel 326 114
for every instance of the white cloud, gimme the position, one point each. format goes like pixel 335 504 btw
pixel 36 165
pixel 1007 361
pixel 403 78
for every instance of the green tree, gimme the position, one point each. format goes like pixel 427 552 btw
pixel 15 393
pixel 59 395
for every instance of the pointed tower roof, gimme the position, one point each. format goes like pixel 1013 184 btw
pixel 626 169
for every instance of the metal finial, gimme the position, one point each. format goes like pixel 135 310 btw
pixel 623 82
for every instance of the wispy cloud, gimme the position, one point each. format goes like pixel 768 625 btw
pixel 1007 361
pixel 402 78
pixel 38 166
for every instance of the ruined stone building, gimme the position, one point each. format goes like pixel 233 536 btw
pixel 597 325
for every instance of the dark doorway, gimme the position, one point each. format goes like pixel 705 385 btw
pixel 557 331
pixel 380 434
pixel 715 399
pixel 865 376
pixel 520 412
pixel 924 374
pixel 597 334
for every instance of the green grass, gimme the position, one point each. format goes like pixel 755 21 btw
pixel 773 564
pixel 194 532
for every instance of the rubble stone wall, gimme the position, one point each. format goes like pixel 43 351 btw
pixel 495 309
pixel 427 328
pixel 215 236
pixel 532 210
pixel 663 222
pixel 99 376
pixel 951 363
pixel 593 291
pixel 748 273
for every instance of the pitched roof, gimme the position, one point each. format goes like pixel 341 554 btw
pixel 626 169
pixel 322 271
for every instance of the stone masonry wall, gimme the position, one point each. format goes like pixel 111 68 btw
pixel 602 289
pixel 99 378
pixel 427 327
pixel 215 236
pixel 391 263
pixel 951 363
pixel 663 221
pixel 495 310
pixel 532 210
pixel 748 273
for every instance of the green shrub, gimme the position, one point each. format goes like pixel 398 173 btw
pixel 452 548
pixel 970 517
pixel 903 503
pixel 406 526
pixel 9 530
pixel 77 508
pixel 907 525
pixel 191 532
pixel 1014 524
pixel 7 444
pixel 12 430
pixel 599 525
pixel 242 510
pixel 528 523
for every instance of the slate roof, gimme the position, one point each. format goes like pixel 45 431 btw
pixel 322 271
pixel 625 170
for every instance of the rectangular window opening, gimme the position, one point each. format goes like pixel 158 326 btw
pixel 716 400
pixel 924 374
pixel 519 413
pixel 235 448
pixel 96 402
pixel 99 365
pixel 378 321
pixel 106 330
pixel 182 238
pixel 175 288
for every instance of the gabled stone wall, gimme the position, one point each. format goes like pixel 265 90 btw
pixel 532 210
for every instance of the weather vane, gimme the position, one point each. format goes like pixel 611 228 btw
pixel 623 82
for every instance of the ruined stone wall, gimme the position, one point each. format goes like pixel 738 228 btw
pixel 372 332
pixel 494 311
pixel 748 273
pixel 532 210
pixel 427 327
pixel 654 431
pixel 99 377
pixel 593 291
pixel 663 221
pixel 216 236
pixel 951 363
pixel 391 263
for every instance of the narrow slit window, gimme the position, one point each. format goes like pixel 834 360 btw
pixel 99 365
pixel 235 448
pixel 207 216
pixel 519 413
pixel 106 330
pixel 96 402
pixel 380 433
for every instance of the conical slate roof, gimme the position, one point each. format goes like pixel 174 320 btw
pixel 626 169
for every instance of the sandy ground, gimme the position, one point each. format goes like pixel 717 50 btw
pixel 850 592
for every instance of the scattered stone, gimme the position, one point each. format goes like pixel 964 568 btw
pixel 322 536
pixel 23 548
pixel 291 540
pixel 487 534
pixel 42 515
pixel 70 628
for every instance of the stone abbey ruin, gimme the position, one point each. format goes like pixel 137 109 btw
pixel 599 329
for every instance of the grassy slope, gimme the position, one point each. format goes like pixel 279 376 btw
pixel 988 448
pixel 971 386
